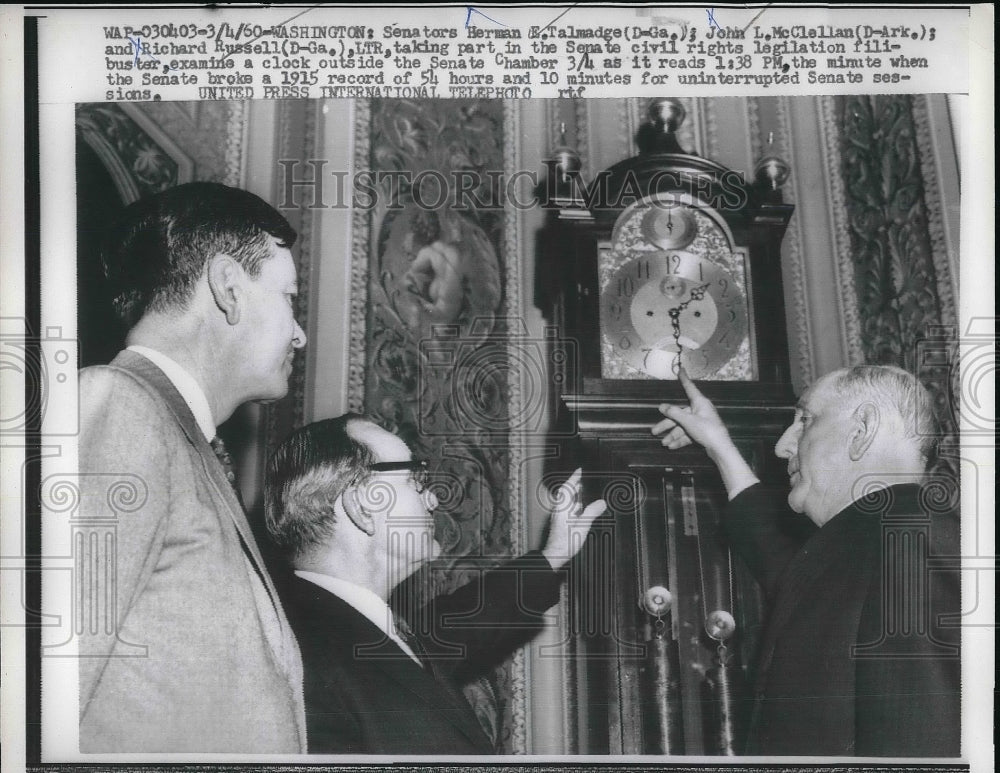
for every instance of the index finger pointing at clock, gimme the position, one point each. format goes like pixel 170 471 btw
pixel 693 393
pixel 699 422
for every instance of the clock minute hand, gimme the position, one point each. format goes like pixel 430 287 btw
pixel 675 323
pixel 697 294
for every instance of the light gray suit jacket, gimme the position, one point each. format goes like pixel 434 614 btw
pixel 185 646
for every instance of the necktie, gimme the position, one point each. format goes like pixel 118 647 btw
pixel 405 632
pixel 227 464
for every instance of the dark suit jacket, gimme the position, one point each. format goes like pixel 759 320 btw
pixel 192 651
pixel 854 658
pixel 364 695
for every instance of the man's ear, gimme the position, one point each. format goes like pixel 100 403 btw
pixel 224 281
pixel 356 512
pixel 866 421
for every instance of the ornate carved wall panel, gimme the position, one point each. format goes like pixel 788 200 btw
pixel 903 301
pixel 141 160
pixel 436 339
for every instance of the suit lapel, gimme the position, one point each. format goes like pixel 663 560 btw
pixel 213 469
pixel 275 626
pixel 797 585
pixel 364 640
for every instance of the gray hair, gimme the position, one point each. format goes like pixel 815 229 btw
pixel 305 476
pixel 895 389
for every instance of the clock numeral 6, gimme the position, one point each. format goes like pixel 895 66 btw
pixel 724 284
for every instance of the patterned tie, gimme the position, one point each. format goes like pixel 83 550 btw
pixel 227 465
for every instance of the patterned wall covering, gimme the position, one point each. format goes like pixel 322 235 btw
pixel 139 166
pixel 436 351
pixel 899 292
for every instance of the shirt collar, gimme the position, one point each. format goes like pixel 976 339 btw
pixel 185 384
pixel 364 601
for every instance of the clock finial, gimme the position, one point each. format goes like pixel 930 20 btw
pixel 771 171
pixel 665 114
pixel 565 182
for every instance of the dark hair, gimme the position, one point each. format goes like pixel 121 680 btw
pixel 157 250
pixel 305 475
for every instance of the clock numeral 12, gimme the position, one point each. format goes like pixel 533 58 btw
pixel 675 261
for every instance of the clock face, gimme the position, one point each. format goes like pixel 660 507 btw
pixel 683 305
pixel 664 309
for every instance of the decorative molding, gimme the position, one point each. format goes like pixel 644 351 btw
pixel 569 684
pixel 310 144
pixel 552 119
pixel 689 132
pixel 201 132
pixel 360 240
pixel 935 207
pixel 515 310
pixel 237 126
pixel 710 127
pixel 837 207
pixel 189 111
pixel 792 247
pixel 140 158
pixel 580 111
pixel 757 144
pixel 628 124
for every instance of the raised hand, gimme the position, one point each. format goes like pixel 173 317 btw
pixel 569 517
pixel 698 422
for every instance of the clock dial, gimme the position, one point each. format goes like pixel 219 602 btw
pixel 663 309
pixel 669 226
pixel 696 310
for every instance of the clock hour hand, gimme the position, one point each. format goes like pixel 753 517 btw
pixel 697 294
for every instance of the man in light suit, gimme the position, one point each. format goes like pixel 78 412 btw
pixel 197 655
pixel 352 509
pixel 857 656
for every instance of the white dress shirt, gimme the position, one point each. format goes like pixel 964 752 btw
pixel 186 385
pixel 364 601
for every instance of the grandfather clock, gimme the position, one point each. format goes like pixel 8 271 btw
pixel 665 259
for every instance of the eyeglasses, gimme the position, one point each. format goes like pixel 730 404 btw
pixel 416 467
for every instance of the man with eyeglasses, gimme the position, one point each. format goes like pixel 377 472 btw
pixel 352 510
